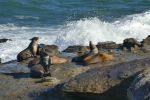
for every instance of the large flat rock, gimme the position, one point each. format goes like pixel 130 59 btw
pixel 105 83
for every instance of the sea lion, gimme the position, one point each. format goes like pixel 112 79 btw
pixel 93 56
pixel 45 61
pixel 30 51
pixel 33 46
pixel 58 60
pixel 100 57
pixel 93 48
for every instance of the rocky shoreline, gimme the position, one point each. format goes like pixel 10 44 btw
pixel 124 78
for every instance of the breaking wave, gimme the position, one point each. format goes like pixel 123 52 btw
pixel 74 33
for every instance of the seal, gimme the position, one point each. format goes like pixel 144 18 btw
pixel 45 61
pixel 33 46
pixel 93 48
pixel 30 51
pixel 93 56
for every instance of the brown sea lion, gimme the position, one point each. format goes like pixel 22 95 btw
pixel 58 60
pixel 100 57
pixel 33 46
pixel 30 51
pixel 93 56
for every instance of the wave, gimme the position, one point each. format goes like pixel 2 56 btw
pixel 27 17
pixel 82 31
pixel 74 33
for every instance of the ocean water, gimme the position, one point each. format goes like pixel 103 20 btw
pixel 70 22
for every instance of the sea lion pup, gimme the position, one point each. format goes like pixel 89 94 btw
pixel 30 51
pixel 45 61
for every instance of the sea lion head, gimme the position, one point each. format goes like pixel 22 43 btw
pixel 34 38
pixel 93 48
pixel 91 45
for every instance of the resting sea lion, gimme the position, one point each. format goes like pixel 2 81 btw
pixel 33 46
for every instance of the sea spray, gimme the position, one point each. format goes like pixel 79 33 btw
pixel 78 32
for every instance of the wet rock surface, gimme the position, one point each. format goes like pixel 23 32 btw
pixel 140 88
pixel 107 45
pixel 146 44
pixel 130 42
pixel 76 49
pixel 50 49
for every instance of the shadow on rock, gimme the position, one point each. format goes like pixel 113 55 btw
pixel 18 75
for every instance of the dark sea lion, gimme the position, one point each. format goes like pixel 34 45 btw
pixel 30 51
pixel 45 61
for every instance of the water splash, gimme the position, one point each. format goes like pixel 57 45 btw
pixel 74 33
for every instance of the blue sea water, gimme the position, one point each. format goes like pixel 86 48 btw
pixel 56 12
pixel 70 22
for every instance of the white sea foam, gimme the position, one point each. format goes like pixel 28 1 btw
pixel 74 33
pixel 26 17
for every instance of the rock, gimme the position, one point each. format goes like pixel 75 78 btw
pixel 131 42
pixel 124 49
pixel 76 49
pixel 37 71
pixel 51 50
pixel 23 55
pixel 49 81
pixel 4 40
pixel 140 88
pixel 105 83
pixel 107 45
pixel 146 44
pixel 33 62
pixel 64 72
